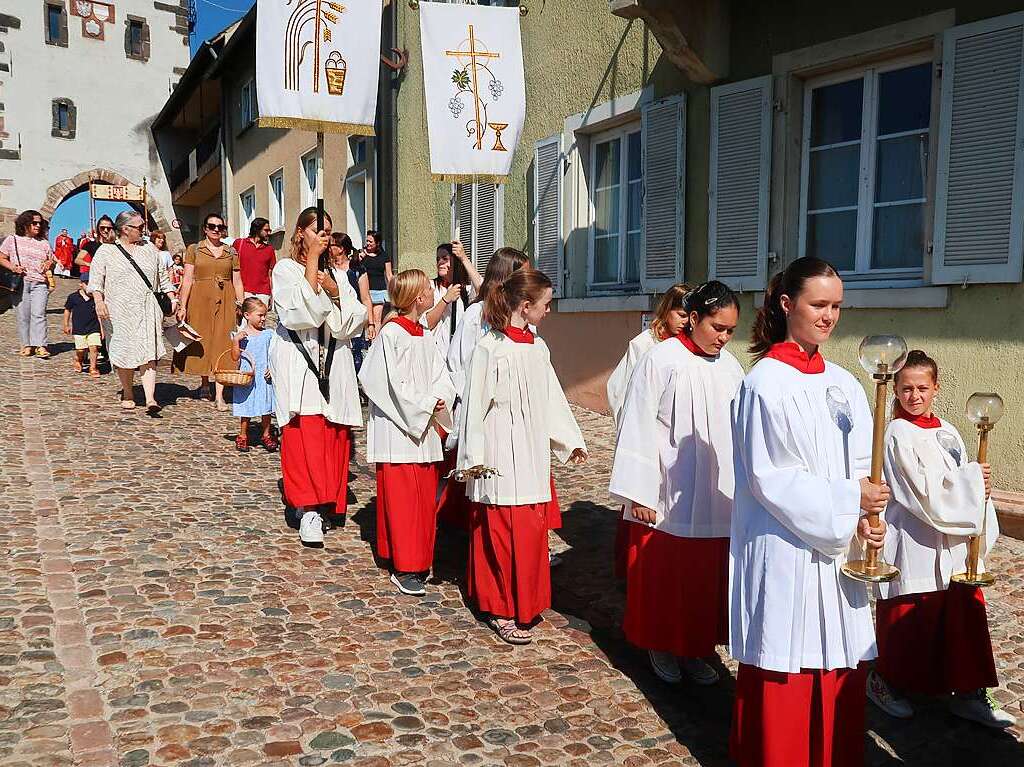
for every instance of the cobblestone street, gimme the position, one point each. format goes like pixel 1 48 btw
pixel 155 610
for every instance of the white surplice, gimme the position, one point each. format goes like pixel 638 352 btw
pixel 938 495
pixel 444 331
pixel 514 415
pixel 404 376
pixel 674 452
pixel 618 381
pixel 802 442
pixel 302 310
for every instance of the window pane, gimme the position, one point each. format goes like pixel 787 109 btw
pixel 898 239
pixel 607 163
pixel 832 182
pixel 606 259
pixel 635 158
pixel 635 210
pixel 901 166
pixel 632 265
pixel 904 99
pixel 836 112
pixel 53 23
pixel 606 212
pixel 62 117
pixel 833 237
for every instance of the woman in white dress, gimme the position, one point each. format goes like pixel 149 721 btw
pixel 128 307
pixel 799 628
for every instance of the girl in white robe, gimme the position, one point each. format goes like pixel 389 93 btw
pixel 455 288
pixel 673 470
pixel 669 319
pixel 933 636
pixel 316 396
pixel 515 415
pixel 411 396
pixel 799 628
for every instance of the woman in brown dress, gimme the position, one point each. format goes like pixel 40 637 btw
pixel 211 289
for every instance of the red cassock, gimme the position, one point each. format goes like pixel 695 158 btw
pixel 677 592
pixel 314 462
pixel 811 719
pixel 453 508
pixel 508 572
pixel 407 515
pixel 935 642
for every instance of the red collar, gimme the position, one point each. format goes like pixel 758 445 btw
pixel 520 336
pixel 924 421
pixel 692 346
pixel 413 328
pixel 793 355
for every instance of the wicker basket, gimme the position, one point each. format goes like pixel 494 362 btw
pixel 335 69
pixel 234 377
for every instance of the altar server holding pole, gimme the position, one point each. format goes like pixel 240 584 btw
pixel 515 415
pixel 411 395
pixel 800 630
pixel 933 636
pixel 673 470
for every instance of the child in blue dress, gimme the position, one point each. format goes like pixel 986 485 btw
pixel 257 399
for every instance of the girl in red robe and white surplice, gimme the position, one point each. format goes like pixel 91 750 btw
pixel 515 415
pixel 799 628
pixel 669 320
pixel 933 634
pixel 411 395
pixel 673 470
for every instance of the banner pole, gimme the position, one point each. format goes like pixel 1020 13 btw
pixel 320 187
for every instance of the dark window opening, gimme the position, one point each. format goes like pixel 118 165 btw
pixel 135 38
pixel 63 117
pixel 53 23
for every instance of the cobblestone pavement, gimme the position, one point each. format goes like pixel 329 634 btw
pixel 154 610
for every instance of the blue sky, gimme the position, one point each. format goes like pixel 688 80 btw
pixel 213 15
pixel 73 214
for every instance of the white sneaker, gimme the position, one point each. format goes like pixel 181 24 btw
pixel 311 529
pixel 699 671
pixel 882 696
pixel 979 706
pixel 665 666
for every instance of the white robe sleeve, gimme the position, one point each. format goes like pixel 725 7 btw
pixel 823 513
pixel 950 500
pixel 636 468
pixel 460 350
pixel 564 431
pixel 476 401
pixel 298 307
pixel 385 380
pixel 442 388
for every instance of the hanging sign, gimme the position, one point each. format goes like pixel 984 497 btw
pixel 318 64
pixel 475 90
pixel 120 193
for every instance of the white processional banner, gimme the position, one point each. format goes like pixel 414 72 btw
pixel 475 91
pixel 318 64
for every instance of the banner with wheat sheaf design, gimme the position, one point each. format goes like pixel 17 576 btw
pixel 475 90
pixel 318 64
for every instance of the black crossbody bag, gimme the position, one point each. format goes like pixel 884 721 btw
pixel 11 281
pixel 166 305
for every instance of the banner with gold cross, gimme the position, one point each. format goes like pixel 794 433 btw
pixel 475 90
pixel 317 65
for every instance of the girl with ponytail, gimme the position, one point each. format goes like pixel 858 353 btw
pixel 801 630
pixel 515 414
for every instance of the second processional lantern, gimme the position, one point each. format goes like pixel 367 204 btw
pixel 882 356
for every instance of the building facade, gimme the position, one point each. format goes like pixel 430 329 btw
pixel 80 83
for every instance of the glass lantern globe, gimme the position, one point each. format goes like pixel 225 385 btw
pixel 984 408
pixel 883 354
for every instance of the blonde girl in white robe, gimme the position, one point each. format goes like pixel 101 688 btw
pixel 673 470
pixel 411 395
pixel 933 636
pixel 799 628
pixel 515 415
pixel 670 317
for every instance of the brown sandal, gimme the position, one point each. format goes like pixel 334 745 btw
pixel 242 443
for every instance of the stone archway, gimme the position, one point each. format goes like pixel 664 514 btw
pixel 56 194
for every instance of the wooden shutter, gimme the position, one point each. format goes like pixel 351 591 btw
pixel 485 235
pixel 738 194
pixel 547 200
pixel 664 144
pixel 979 187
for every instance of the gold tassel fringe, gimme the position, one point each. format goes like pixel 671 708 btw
pixel 325 126
pixel 468 178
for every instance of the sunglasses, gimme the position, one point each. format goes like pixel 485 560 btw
pixel 36 223
pixel 217 227
pixel 106 229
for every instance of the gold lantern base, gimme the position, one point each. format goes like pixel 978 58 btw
pixel 978 579
pixel 878 572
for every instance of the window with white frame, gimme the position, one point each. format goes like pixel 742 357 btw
pixel 309 188
pixel 276 182
pixel 246 210
pixel 247 105
pixel 864 185
pixel 616 207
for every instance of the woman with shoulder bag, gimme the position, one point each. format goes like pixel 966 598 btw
pixel 125 279
pixel 27 254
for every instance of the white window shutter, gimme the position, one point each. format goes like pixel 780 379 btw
pixel 738 195
pixel 485 234
pixel 664 148
pixel 979 189
pixel 462 215
pixel 547 196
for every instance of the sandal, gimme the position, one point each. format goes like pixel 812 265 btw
pixel 127 404
pixel 94 374
pixel 242 443
pixel 153 411
pixel 43 353
pixel 223 407
pixel 270 444
pixel 26 351
pixel 509 632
